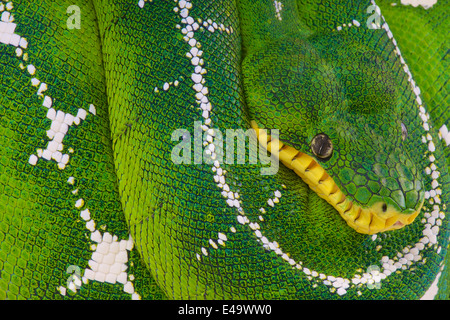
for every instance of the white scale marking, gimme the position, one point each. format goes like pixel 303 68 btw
pixel 109 258
pixel 339 285
pixel 141 3
pixel 108 263
pixel 195 54
pixel 278 8
pixel 444 135
pixel 348 25
pixel 188 27
pixel 60 121
pixel 426 4
pixel 432 220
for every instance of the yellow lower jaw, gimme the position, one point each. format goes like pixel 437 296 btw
pixel 364 220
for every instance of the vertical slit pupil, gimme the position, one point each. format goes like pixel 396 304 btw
pixel 321 146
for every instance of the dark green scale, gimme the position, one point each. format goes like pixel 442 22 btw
pixel 332 84
pixel 41 231
pixel 122 166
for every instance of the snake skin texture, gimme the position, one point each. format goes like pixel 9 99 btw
pixel 97 95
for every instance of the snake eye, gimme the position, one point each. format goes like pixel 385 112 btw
pixel 321 146
pixel 404 132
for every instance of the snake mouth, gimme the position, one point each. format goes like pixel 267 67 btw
pixel 366 220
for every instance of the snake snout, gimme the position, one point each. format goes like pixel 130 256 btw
pixel 401 192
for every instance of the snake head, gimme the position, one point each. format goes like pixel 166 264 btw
pixel 338 108
pixel 376 186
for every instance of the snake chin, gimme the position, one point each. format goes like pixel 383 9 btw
pixel 379 217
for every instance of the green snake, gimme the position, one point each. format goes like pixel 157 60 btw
pixel 119 180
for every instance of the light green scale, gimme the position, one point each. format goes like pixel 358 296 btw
pixel 217 230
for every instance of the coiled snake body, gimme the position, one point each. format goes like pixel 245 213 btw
pixel 114 117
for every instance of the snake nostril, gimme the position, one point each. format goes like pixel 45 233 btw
pixel 384 207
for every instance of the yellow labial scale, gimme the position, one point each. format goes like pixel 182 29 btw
pixel 390 221
pixel 377 224
pixel 336 198
pixel 287 154
pixel 315 174
pixel 342 206
pixel 322 192
pixel 261 134
pixel 364 219
pixel 352 214
pixel 329 185
pixel 271 143
pixel 301 162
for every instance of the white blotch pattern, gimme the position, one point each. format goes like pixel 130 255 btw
pixel 58 129
pixel 188 27
pixel 108 262
pixel 433 290
pixel 354 23
pixel 60 121
pixel 166 86
pixel 426 4
pixel 373 276
pixel 7 28
pixel 109 259
pixel 141 3
pixel 278 7
pixel 433 215
pixel 444 135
